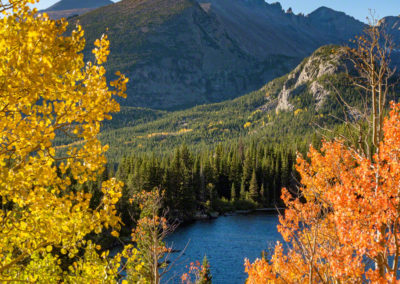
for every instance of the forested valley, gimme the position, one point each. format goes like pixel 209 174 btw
pixel 226 179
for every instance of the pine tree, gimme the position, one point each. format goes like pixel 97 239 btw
pixel 243 191
pixel 262 195
pixel 197 183
pixel 285 169
pixel 205 273
pixel 248 167
pixel 277 179
pixel 235 173
pixel 186 194
pixel 253 189
pixel 233 192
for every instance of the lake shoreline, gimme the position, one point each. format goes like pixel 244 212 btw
pixel 199 216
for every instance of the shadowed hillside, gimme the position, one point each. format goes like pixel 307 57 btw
pixel 181 53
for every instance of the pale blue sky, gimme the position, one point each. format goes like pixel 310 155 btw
pixel 359 9
pixel 356 8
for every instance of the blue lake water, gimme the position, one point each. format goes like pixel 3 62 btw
pixel 226 241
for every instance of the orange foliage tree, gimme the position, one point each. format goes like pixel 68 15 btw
pixel 149 235
pixel 198 273
pixel 344 227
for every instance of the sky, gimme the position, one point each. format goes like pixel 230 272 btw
pixel 359 9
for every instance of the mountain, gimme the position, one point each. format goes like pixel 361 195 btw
pixel 311 77
pixel 68 8
pixel 181 53
pixel 286 109
pixel 392 27
pixel 263 29
pixel 176 54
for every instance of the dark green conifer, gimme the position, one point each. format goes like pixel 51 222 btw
pixel 262 195
pixel 205 273
pixel 233 192
pixel 243 191
pixel 253 189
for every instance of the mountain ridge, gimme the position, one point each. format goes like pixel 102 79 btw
pixel 69 8
pixel 175 54
pixel 209 52
pixel 291 35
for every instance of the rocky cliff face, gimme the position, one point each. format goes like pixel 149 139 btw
pixel 392 27
pixel 327 60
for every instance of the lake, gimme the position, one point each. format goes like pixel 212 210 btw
pixel 226 241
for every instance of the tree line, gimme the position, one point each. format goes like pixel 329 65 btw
pixel 222 179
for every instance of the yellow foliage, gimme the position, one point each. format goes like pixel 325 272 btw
pixel 158 134
pixel 181 131
pixel 47 89
pixel 247 125
pixel 184 130
pixel 298 111
pixel 212 124
pixel 254 113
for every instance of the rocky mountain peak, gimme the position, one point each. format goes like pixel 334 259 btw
pixel 390 21
pixel 392 27
pixel 276 7
pixel 289 10
pixel 327 60
pixel 324 11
